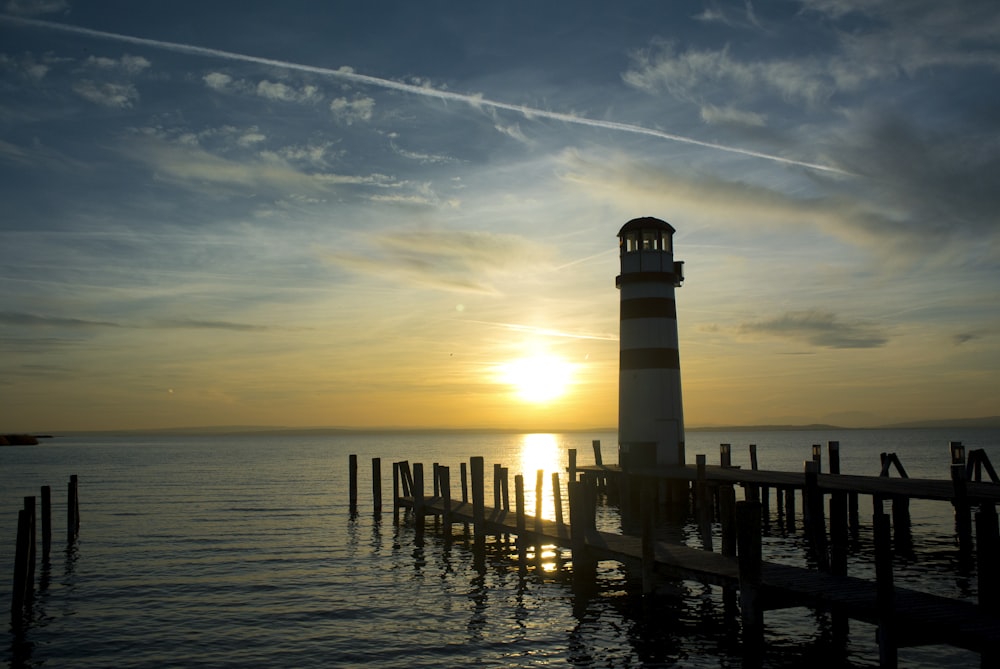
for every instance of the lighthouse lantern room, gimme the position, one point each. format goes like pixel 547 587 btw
pixel 650 413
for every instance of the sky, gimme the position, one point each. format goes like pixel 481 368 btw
pixel 404 214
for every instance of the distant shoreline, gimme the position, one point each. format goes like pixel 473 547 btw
pixel 991 422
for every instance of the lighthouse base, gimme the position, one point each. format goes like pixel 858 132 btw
pixel 637 455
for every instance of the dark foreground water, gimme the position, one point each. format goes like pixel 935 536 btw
pixel 226 551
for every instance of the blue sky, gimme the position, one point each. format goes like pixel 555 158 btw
pixel 359 214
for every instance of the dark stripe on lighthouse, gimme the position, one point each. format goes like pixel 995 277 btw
pixel 649 307
pixel 649 358
pixel 646 277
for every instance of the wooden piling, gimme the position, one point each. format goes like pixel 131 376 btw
pixel 815 520
pixel 750 557
pixel 73 509
pixel 885 590
pixel 377 486
pixel 496 485
pixel 817 456
pixel 444 487
pixel 790 509
pixel 21 585
pixel 418 495
pixel 557 500
pixel 725 455
pixel 435 480
pixel 702 504
pixel 572 465
pixel 46 523
pixel 522 539
pixel 599 461
pixel 539 497
pixel 352 468
pixel 395 493
pixel 727 517
pixel 504 489
pixel 29 506
pixel 752 491
pixel 464 474
pixel 478 500
pixel 963 520
pixel 988 556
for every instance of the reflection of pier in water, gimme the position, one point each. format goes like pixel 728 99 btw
pixel 904 617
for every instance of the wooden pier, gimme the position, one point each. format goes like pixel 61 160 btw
pixel 904 617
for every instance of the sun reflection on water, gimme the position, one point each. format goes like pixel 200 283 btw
pixel 541 452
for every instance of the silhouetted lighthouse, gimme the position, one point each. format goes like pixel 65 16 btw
pixel 650 414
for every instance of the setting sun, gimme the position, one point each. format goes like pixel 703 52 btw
pixel 538 378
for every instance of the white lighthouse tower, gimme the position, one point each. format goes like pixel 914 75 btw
pixel 650 414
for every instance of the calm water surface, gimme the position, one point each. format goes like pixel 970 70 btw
pixel 224 551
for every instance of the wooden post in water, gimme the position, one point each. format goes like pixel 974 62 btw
pixel 763 493
pixel 377 486
pixel 702 503
pixel 46 523
pixel 988 556
pixel 497 484
pixel 73 509
pixel 963 520
pixel 522 539
pixel 599 461
pixel 817 453
pixel 790 509
pixel 727 513
pixel 406 478
pixel 504 489
pixel 352 468
pixel 29 506
pixel 418 495
pixel 750 557
pixel 463 471
pixel 572 465
pixel 885 590
pixel 838 518
pixel 395 493
pixel 557 502
pixel 752 491
pixel 539 496
pixel 21 586
pixel 478 500
pixel 815 522
pixel 445 488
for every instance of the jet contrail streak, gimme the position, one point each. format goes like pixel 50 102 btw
pixel 473 100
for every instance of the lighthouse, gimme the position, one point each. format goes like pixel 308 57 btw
pixel 650 414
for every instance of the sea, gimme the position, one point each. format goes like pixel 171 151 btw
pixel 240 550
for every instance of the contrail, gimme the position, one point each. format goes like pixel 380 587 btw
pixel 367 80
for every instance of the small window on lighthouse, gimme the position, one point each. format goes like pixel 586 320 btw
pixel 649 241
pixel 631 243
pixel 665 242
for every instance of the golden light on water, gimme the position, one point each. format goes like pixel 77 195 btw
pixel 541 452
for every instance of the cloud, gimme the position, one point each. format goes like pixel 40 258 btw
pixel 276 90
pixel 22 319
pixel 818 328
pixel 913 203
pixel 475 101
pixel 189 164
pixel 453 260
pixel 349 111
pixel 107 94
pixel 730 116
pixel 127 64
pixel 217 81
pixel 36 7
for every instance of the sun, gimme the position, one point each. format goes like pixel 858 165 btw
pixel 538 378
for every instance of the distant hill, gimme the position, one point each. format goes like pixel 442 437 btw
pixel 764 428
pixel 988 421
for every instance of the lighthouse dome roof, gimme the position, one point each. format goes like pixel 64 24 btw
pixel 646 223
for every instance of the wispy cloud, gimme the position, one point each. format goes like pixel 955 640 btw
pixel 477 101
pixel 818 328
pixel 456 260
